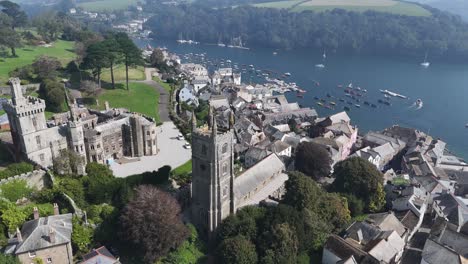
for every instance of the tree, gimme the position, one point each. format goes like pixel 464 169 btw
pixel 131 53
pixel 237 250
pixel 53 93
pixel 16 169
pixel 74 189
pixel 355 205
pixel 302 192
pixel 10 38
pixel 96 60
pixel 101 185
pixel 244 223
pixel 9 259
pixel 152 220
pixel 284 245
pixel 15 190
pixel 49 26
pixel 46 67
pixel 81 236
pixel 12 216
pixel 13 10
pixel 112 55
pixel 360 178
pixel 313 160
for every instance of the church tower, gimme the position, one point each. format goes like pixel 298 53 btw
pixel 212 175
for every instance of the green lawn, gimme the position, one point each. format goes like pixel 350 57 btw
pixel 389 6
pixel 140 98
pixel 134 74
pixel 184 168
pixel 63 50
pixel 107 5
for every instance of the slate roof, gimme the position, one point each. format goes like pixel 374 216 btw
pixel 435 253
pixel 35 233
pixel 256 175
pixel 343 249
pixel 278 146
pixel 339 117
pixel 407 219
pixel 454 210
pixel 387 222
pixel 99 256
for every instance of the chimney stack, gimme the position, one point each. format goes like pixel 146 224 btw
pixel 18 235
pixel 51 235
pixel 56 209
pixel 36 213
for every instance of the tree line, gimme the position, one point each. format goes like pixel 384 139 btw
pixel 370 32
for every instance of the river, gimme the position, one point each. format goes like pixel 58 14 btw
pixel 443 87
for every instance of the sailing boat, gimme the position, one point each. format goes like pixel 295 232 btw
pixel 220 43
pixel 181 40
pixel 425 63
pixel 321 65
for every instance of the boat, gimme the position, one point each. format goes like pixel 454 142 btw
pixel 316 83
pixel 419 103
pixel 319 66
pixel 316 98
pixel 358 106
pixel 332 103
pixel 328 95
pixel 320 103
pixel 425 63
pixel 275 53
pixel 324 56
pixel 287 74
pixel 366 103
pixel 350 86
pixel 341 100
pixel 228 61
pixel 466 125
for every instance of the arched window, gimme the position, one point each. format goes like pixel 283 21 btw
pixel 225 147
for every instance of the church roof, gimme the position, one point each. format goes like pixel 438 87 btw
pixel 256 175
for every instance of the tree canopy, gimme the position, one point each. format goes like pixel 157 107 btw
pixel 360 178
pixel 313 160
pixel 237 250
pixel 152 220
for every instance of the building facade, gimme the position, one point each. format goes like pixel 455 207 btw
pixel 92 136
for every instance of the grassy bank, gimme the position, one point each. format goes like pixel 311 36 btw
pixel 140 98
pixel 388 6
pixel 134 74
pixel 63 50
pixel 107 5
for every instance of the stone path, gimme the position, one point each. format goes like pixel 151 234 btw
pixel 163 94
pixel 171 152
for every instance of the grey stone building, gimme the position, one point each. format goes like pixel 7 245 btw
pixel 217 191
pixel 93 136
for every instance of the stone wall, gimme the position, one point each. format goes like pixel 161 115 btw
pixel 36 179
pixel 6 90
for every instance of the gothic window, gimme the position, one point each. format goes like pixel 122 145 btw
pixel 34 121
pixel 225 147
pixel 92 147
pixel 225 168
pixel 38 140
pixel 148 142
pixel 203 150
pixel 147 133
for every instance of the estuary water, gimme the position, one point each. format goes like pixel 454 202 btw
pixel 442 87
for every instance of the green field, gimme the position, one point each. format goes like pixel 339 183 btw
pixel 134 74
pixel 107 5
pixel 389 6
pixel 63 50
pixel 184 168
pixel 140 98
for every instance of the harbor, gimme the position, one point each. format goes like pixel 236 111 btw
pixel 442 95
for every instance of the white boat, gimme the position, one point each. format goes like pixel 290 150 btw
pixel 221 45
pixel 324 55
pixel 275 53
pixel 287 74
pixel 419 104
pixel 425 63
pixel 228 61
pixel 319 66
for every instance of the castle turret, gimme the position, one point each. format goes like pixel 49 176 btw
pixel 77 145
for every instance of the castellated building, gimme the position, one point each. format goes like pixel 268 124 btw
pixel 217 191
pixel 94 136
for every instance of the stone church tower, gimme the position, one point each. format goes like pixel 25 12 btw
pixel 212 176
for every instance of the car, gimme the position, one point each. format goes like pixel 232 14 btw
pixel 180 137
pixel 187 146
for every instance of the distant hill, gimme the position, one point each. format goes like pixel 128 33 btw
pixel 389 6
pixel 458 7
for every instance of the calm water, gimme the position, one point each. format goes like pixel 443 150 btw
pixel 443 87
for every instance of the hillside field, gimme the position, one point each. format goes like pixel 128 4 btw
pixel 63 50
pixel 109 5
pixel 390 6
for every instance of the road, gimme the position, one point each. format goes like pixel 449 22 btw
pixel 163 95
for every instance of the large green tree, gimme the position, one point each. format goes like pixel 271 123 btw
pixel 10 38
pixel 237 250
pixel 112 54
pixel 360 178
pixel 53 93
pixel 131 53
pixel 13 10
pixel 313 160
pixel 96 59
